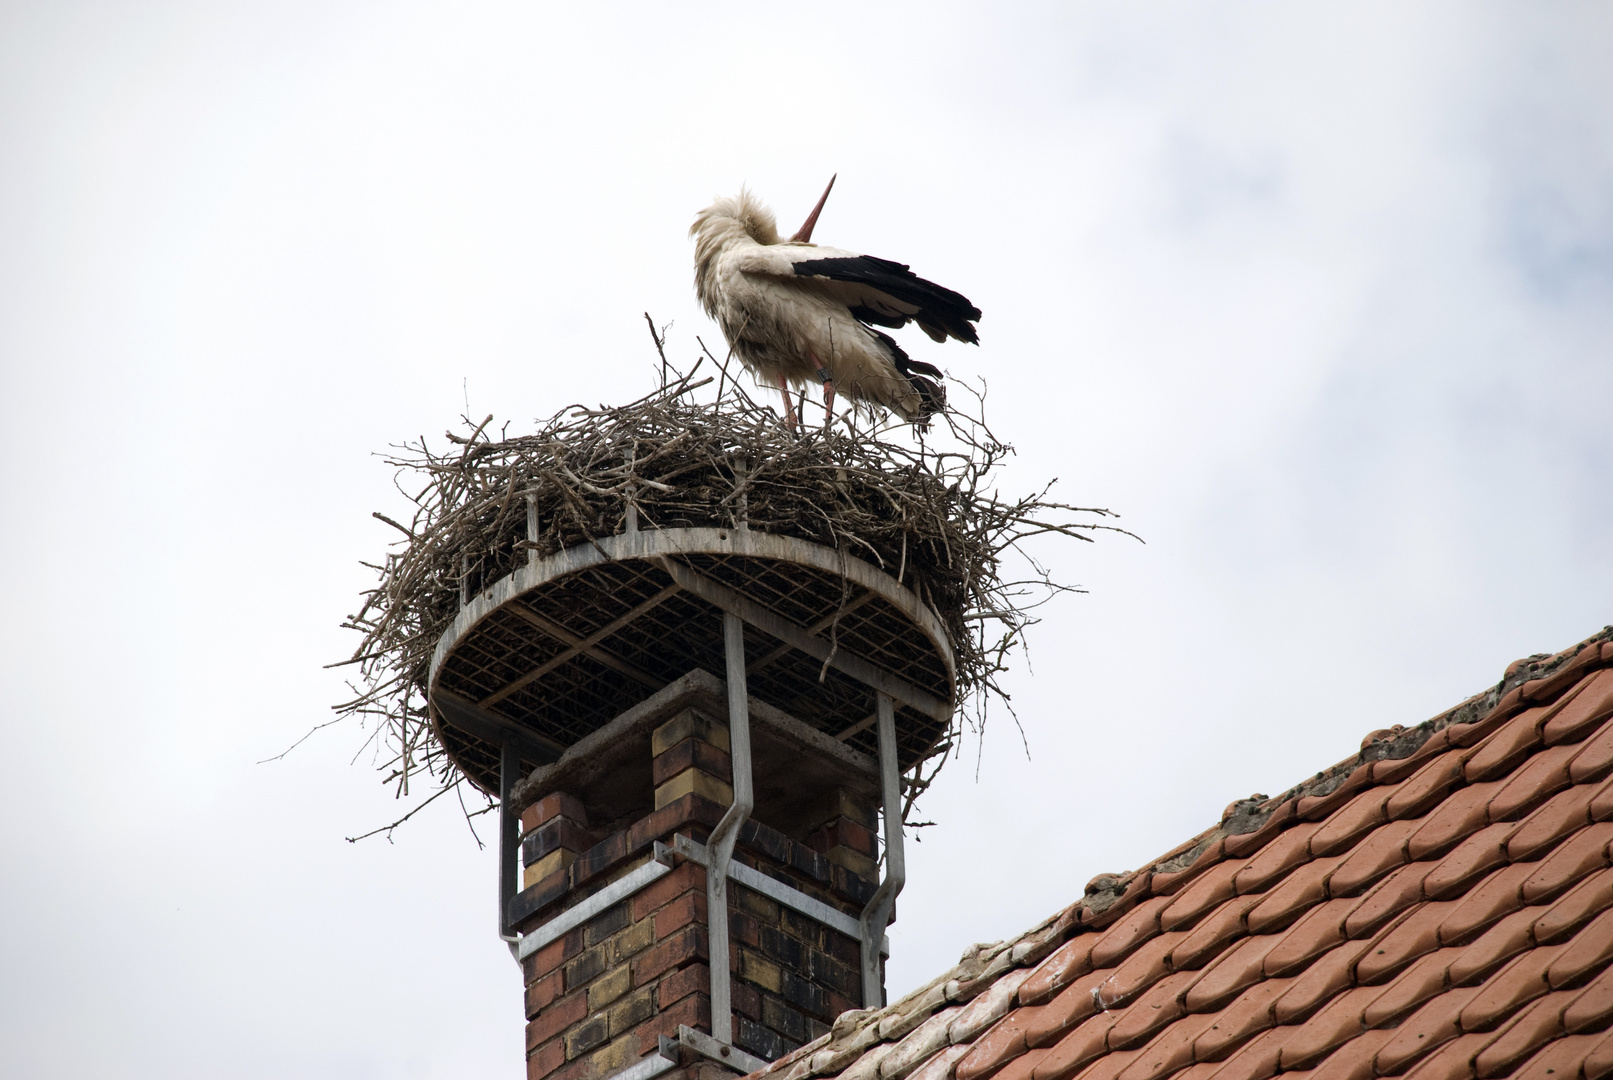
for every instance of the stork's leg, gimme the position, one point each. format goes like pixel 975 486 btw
pixel 789 406
pixel 828 389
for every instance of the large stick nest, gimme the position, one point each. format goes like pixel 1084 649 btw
pixel 925 510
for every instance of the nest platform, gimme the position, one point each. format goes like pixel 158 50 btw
pixel 556 649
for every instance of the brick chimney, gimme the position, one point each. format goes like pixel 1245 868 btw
pixel 617 898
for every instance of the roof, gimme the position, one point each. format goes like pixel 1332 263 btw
pixel 1439 905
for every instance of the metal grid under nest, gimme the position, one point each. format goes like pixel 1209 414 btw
pixel 563 659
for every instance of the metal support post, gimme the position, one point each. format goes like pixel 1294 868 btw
pixel 876 916
pixel 721 845
pixel 509 772
pixel 531 528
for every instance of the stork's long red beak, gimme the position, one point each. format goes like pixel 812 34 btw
pixel 803 235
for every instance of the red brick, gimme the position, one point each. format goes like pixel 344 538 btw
pixel 694 1010
pixel 686 945
pixel 553 955
pixel 546 1060
pixel 555 804
pixel 696 978
pixel 688 876
pixel 556 1018
pixel 659 824
pixel 540 993
pixel 691 754
pixel 686 909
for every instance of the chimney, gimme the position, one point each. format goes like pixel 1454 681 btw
pixel 697 869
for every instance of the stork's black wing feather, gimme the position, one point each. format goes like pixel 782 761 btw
pixel 938 307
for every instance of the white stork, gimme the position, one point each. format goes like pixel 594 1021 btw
pixel 793 311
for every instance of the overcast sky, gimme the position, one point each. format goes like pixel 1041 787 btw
pixel 1319 297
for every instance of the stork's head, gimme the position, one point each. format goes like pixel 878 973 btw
pixel 733 216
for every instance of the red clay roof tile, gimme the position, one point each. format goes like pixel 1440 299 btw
pixel 1599 1062
pixel 1589 950
pixel 1161 1004
pixel 1419 982
pixel 1492 899
pixel 1213 888
pixel 1591 1008
pixel 1417 936
pixel 1471 861
pixel 1210 938
pixel 1301 890
pixel 1240 967
pixel 1533 782
pixel 1584 713
pixel 1140 970
pixel 1322 981
pixel 1066 964
pixel 1277 858
pixel 1575 908
pixel 1352 1061
pixel 1436 1022
pixel 1343 828
pixel 1426 788
pixel 1583 853
pixel 1170 1052
pixel 1072 1006
pixel 1124 936
pixel 1382 851
pixel 1072 1053
pixel 1595 755
pixel 1453 1061
pixel 1318 930
pixel 1506 748
pixel 1257 1060
pixel 1494 947
pixel 1332 942
pixel 1246 1017
pixel 1560 815
pixel 1515 985
pixel 1517 1039
pixel 1454 820
pixel 1336 1023
pixel 1391 896
pixel 1560 1059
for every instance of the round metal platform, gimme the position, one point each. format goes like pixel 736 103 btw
pixel 554 651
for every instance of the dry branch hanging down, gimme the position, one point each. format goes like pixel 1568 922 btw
pixel 926 512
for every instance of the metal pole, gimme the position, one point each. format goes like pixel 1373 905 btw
pixel 720 848
pixel 509 772
pixel 876 916
pixel 532 528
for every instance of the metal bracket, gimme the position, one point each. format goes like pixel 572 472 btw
pixel 568 920
pixel 777 891
pixel 876 916
pixel 704 1045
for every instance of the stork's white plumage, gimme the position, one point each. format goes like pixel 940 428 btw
pixel 794 311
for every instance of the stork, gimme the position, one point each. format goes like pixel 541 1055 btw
pixel 794 311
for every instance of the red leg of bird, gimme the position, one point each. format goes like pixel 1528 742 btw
pixel 828 383
pixel 789 407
